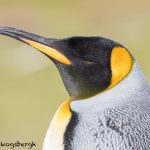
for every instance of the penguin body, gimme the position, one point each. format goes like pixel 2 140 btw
pixel 109 99
pixel 116 119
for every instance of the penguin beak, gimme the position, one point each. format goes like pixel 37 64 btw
pixel 42 44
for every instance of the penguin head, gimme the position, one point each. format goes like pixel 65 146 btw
pixel 87 65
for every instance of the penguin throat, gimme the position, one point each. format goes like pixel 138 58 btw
pixel 81 85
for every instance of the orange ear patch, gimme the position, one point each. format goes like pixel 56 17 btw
pixel 121 63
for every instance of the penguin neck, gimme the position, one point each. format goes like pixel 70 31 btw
pixel 130 88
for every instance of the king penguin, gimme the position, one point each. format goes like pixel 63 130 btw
pixel 108 107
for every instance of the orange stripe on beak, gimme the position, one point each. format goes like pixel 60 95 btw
pixel 51 52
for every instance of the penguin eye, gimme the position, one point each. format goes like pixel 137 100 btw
pixel 85 57
pixel 88 62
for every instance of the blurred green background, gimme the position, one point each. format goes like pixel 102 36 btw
pixel 30 86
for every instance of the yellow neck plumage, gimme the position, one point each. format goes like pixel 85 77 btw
pixel 55 135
